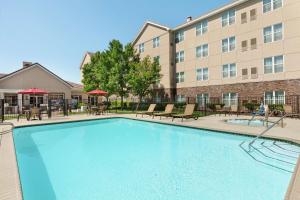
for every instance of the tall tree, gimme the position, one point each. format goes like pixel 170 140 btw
pixel 142 76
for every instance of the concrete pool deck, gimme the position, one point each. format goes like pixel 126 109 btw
pixel 9 177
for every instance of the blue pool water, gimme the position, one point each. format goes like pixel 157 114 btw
pixel 122 159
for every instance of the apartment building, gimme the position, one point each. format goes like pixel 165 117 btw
pixel 245 48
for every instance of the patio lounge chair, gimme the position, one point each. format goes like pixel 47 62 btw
pixel 33 114
pixel 222 110
pixel 234 109
pixel 167 113
pixel 150 110
pixel 188 113
pixel 101 109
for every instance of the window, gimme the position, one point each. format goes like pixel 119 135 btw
pixel 253 43
pixel 156 42
pixel 269 5
pixel 273 33
pixel 179 56
pixel 157 98
pixel 230 99
pixel 228 18
pixel 253 14
pixel 254 72
pixel 180 77
pixel 157 59
pixel 274 97
pixel 179 36
pixel 201 99
pixel 11 99
pixel 273 64
pixel 201 28
pixel 202 74
pixel 228 44
pixel 229 70
pixel 244 45
pixel 202 51
pixel 244 18
pixel 245 73
pixel 180 98
pixel 141 48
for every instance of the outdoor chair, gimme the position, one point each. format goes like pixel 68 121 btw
pixel 101 110
pixel 34 114
pixel 150 110
pixel 167 113
pixel 188 113
pixel 234 109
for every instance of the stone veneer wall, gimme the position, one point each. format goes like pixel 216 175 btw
pixel 291 87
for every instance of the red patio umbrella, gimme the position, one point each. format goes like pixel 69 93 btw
pixel 33 91
pixel 97 92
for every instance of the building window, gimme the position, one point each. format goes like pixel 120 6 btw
pixel 157 98
pixel 180 98
pixel 230 99
pixel 273 33
pixel 244 18
pixel 141 48
pixel 179 77
pixel 274 97
pixel 228 44
pixel 244 45
pixel 253 14
pixel 253 43
pixel 202 74
pixel 156 42
pixel 157 59
pixel 202 51
pixel 229 70
pixel 228 18
pixel 269 5
pixel 254 72
pixel 179 57
pixel 201 99
pixel 179 36
pixel 202 28
pixel 273 64
pixel 245 73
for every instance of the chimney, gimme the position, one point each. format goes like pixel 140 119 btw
pixel 188 19
pixel 26 64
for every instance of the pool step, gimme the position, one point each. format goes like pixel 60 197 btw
pixel 272 153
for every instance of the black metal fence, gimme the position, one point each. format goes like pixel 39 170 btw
pixel 204 105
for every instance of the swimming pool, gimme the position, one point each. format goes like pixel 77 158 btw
pixel 247 122
pixel 127 159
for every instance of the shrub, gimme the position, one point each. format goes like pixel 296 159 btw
pixel 251 106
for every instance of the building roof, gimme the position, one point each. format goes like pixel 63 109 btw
pixel 144 28
pixel 212 13
pixel 70 84
pixel 88 53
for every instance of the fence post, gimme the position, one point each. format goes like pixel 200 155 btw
pixel 2 110
pixel 49 109
pixel 205 104
pixel 298 107
pixel 66 107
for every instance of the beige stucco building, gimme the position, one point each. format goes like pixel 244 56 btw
pixel 245 48
pixel 37 76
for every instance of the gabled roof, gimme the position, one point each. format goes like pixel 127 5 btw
pixel 75 85
pixel 35 65
pixel 85 55
pixel 1 75
pixel 144 28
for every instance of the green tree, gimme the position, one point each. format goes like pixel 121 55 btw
pixel 142 76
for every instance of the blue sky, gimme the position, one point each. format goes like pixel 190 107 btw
pixel 56 33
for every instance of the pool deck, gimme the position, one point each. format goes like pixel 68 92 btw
pixel 9 178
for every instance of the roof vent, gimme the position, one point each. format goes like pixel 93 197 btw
pixel 26 64
pixel 188 19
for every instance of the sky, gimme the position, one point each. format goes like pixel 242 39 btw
pixel 57 33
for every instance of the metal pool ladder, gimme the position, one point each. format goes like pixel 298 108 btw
pixel 274 153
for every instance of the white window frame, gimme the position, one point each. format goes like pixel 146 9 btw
pixel 179 36
pixel 141 48
pixel 273 64
pixel 180 77
pixel 229 70
pixel 230 99
pixel 200 73
pixel 180 98
pixel 227 18
pixel 274 99
pixel 202 97
pixel 156 42
pixel 179 57
pixel 272 33
pixel 271 6
pixel 227 46
pixel 201 29
pixel 200 53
